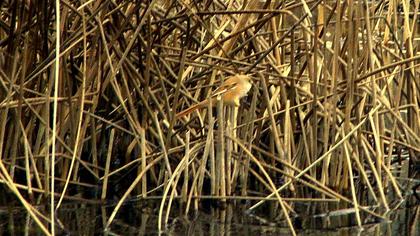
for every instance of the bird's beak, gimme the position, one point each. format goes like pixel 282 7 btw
pixel 252 80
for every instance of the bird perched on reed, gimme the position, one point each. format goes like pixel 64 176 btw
pixel 231 91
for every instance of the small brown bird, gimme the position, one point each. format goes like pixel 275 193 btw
pixel 231 91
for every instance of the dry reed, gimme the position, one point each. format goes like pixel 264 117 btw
pixel 89 93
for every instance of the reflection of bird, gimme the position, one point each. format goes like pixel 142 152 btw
pixel 230 91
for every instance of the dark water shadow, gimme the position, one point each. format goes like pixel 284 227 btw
pixel 141 217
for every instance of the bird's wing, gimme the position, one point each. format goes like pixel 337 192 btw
pixel 223 89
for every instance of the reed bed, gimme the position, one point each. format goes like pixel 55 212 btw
pixel 88 99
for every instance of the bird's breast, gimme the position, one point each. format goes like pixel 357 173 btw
pixel 243 90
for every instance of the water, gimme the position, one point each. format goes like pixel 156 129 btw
pixel 140 218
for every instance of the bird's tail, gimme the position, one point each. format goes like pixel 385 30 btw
pixel 191 109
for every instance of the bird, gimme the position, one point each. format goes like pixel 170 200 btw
pixel 231 91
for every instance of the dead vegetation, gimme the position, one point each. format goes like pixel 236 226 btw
pixel 334 103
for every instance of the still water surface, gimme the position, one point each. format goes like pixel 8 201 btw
pixel 140 218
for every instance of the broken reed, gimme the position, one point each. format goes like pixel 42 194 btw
pixel 335 98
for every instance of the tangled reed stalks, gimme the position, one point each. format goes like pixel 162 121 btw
pixel 334 103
